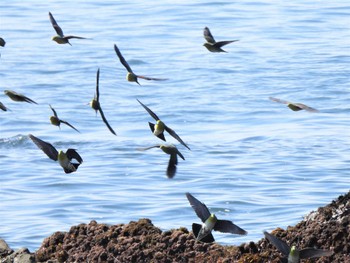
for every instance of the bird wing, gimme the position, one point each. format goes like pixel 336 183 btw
pixel 279 100
pixel 208 36
pixel 70 37
pixel 54 112
pixel 149 78
pixel 97 85
pixel 312 253
pixel 278 243
pixel 171 169
pixel 305 107
pixel 180 154
pixel 28 99
pixel 227 226
pixel 201 209
pixel 46 147
pixel 3 107
pixel 56 26
pixel 70 125
pixel 177 137
pixel 147 148
pixel 153 115
pixel 105 120
pixel 73 154
pixel 122 59
pixel 207 239
pixel 223 43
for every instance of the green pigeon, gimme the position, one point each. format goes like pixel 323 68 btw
pixel 57 121
pixel 18 97
pixel 173 152
pixel 211 44
pixel 294 106
pixel 131 76
pixel 60 38
pixel 210 222
pixel 294 255
pixel 95 103
pixel 159 128
pixel 63 158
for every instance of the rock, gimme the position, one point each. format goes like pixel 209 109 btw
pixel 326 228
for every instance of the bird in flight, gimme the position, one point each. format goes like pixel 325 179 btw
pixel 173 152
pixel 63 158
pixel 294 255
pixel 294 106
pixel 211 44
pixel 18 97
pixel 131 76
pixel 95 103
pixel 159 128
pixel 57 121
pixel 60 38
pixel 210 222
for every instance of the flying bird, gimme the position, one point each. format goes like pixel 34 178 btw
pixel 159 128
pixel 173 152
pixel 60 38
pixel 63 158
pixel 57 121
pixel 95 103
pixel 131 76
pixel 3 107
pixel 211 44
pixel 294 106
pixel 18 97
pixel 294 255
pixel 210 222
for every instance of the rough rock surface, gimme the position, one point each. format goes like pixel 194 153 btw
pixel 326 228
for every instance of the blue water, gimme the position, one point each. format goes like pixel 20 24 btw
pixel 253 161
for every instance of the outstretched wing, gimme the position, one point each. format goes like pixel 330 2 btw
pixel 54 112
pixel 105 120
pixel 279 100
pixel 177 137
pixel 278 243
pixel 223 43
pixel 56 26
pixel 121 58
pixel 70 125
pixel 149 78
pixel 201 209
pixel 97 85
pixel 313 253
pixel 46 147
pixel 305 107
pixel 208 36
pixel 153 115
pixel 227 226
pixel 69 37
pixel 147 148
pixel 171 169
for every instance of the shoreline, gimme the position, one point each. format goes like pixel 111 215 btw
pixel 141 241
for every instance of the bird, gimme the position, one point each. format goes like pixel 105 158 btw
pixel 173 152
pixel 60 38
pixel 63 158
pixel 294 255
pixel 210 222
pixel 3 107
pixel 159 128
pixel 2 42
pixel 18 97
pixel 57 121
pixel 211 44
pixel 294 106
pixel 131 76
pixel 95 103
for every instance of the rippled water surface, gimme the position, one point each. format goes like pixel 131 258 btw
pixel 253 161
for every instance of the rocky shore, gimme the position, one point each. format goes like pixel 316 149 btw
pixel 141 241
